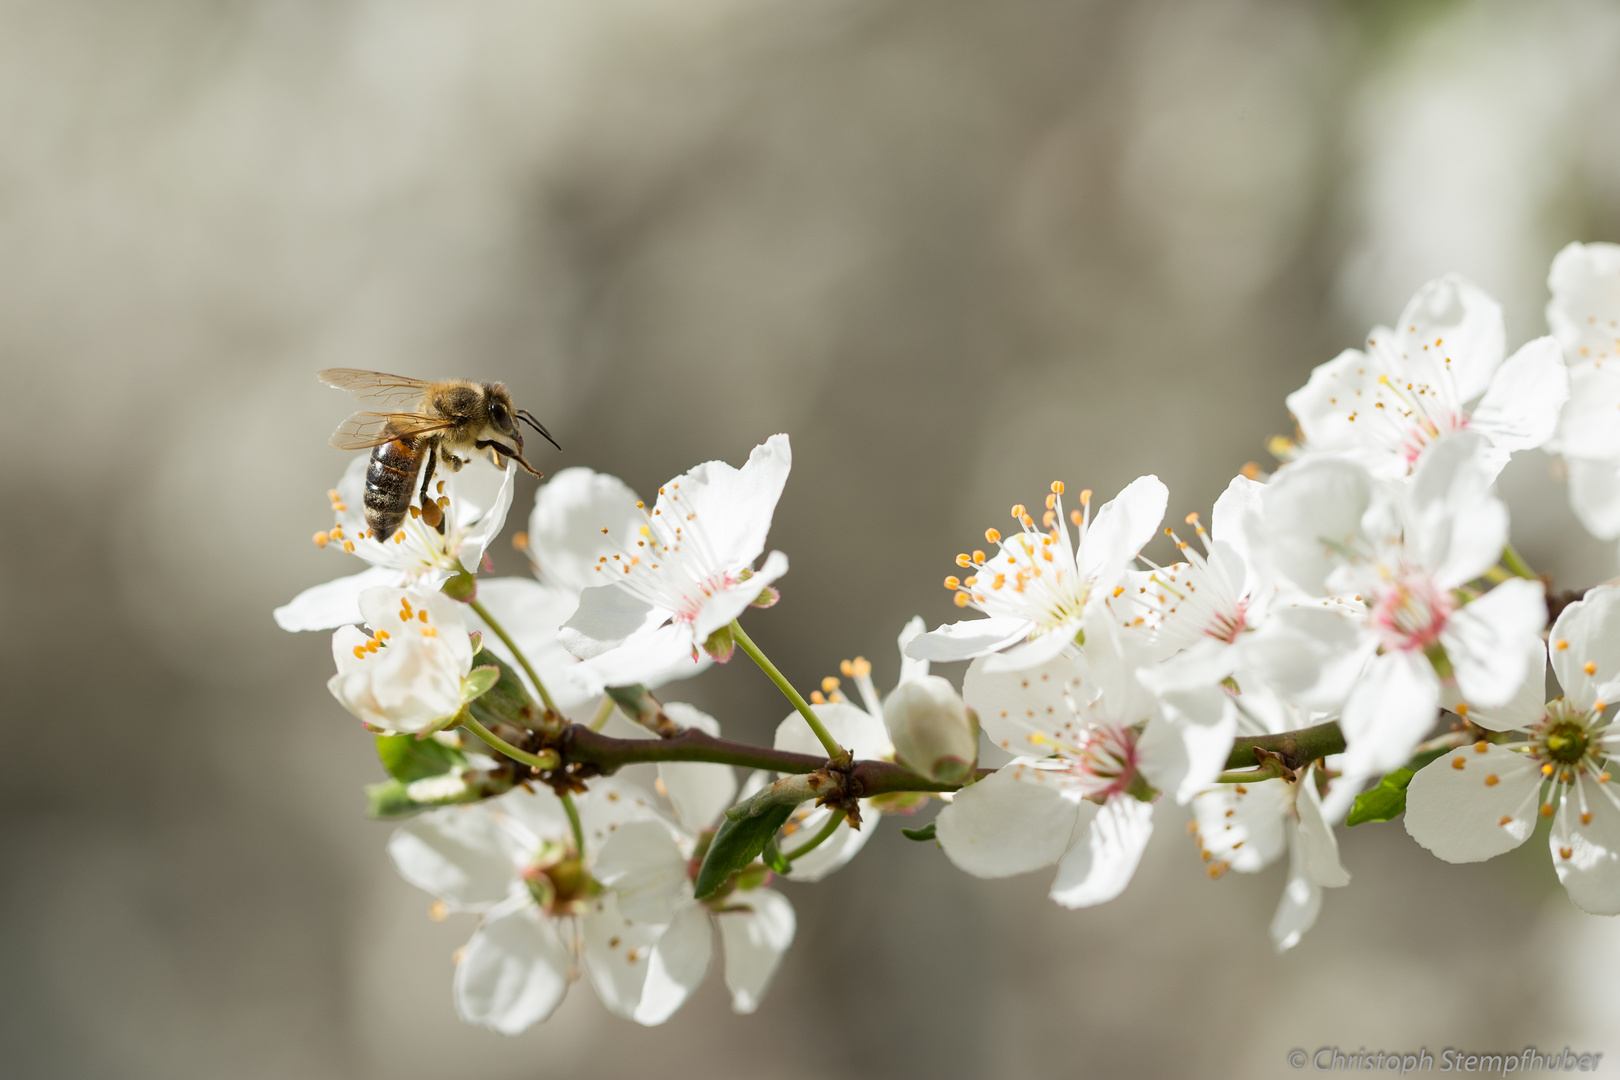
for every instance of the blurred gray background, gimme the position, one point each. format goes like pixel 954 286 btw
pixel 957 250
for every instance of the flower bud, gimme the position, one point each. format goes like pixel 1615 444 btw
pixel 933 732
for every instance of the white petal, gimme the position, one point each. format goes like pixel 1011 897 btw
pixel 484 494
pixel 697 790
pixel 618 953
pixel 1590 627
pixel 643 866
pixel 733 506
pixel 1311 655
pixel 1319 851
pixel 1301 899
pixel 679 962
pixel 1120 529
pixel 1390 710
pixel 1185 748
pixel 1460 323
pixel 606 617
pixel 755 940
pixel 532 613
pixel 1101 863
pixel 649 658
pixel 535 816
pixel 910 668
pixel 1043 702
pixel 1587 856
pixel 335 603
pixel 345 639
pixel 1461 816
pixel 1323 408
pixel 565 529
pixel 1016 820
pixel 1594 495
pixel 1456 525
pixel 459 854
pixel 726 604
pixel 855 729
pixel 609 804
pixel 1024 655
pixel 1312 509
pixel 513 973
pixel 1487 640
pixel 838 849
pixel 969 639
pixel 1585 306
pixel 1240 499
pixel 1520 410
pixel 1241 825
pixel 1587 427
pixel 1528 704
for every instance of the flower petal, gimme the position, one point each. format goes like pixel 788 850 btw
pixel 460 854
pixel 1586 428
pixel 680 960
pixel 1594 495
pixel 514 972
pixel 1326 407
pixel 1024 655
pixel 1389 712
pixel 1301 900
pixel 969 639
pixel 1585 306
pixel 733 506
pixel 1461 815
pixel 618 953
pixel 1462 325
pixel 607 616
pixel 650 658
pixel 755 940
pixel 484 497
pixel 1100 865
pixel 1311 655
pixel 1487 640
pixel 1120 529
pixel 1312 510
pixel 1520 410
pixel 1185 747
pixel 1527 705
pixel 1586 852
pixel 1241 825
pixel 1588 632
pixel 1319 851
pixel 532 614
pixel 726 604
pixel 838 849
pixel 1025 711
pixel 911 668
pixel 565 530
pixel 1455 524
pixel 855 729
pixel 334 603
pixel 697 790
pixel 645 869
pixel 1013 821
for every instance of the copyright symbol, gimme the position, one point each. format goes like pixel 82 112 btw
pixel 1296 1058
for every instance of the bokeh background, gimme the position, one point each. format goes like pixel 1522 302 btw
pixel 957 250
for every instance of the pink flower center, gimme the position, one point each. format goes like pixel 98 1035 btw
pixel 1104 764
pixel 1411 612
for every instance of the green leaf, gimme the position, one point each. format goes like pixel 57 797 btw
pixel 924 833
pixel 772 857
pixel 389 800
pixel 736 844
pixel 508 699
pixel 479 681
pixel 408 758
pixel 1388 799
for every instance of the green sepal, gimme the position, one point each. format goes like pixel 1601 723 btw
pixel 408 758
pixel 507 700
pixel 772 857
pixel 736 844
pixel 1388 799
pixel 479 681
pixel 462 587
pixel 924 833
pixel 388 800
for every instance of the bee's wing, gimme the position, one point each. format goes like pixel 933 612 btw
pixel 364 430
pixel 375 386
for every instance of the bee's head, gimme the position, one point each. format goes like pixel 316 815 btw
pixel 503 424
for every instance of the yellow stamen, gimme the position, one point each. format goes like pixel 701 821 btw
pixel 321 539
pixel 1057 487
pixel 992 536
pixel 1458 763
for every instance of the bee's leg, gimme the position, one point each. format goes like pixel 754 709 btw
pixel 432 513
pixel 500 453
pixel 452 462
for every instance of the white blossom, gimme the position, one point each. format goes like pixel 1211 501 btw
pixel 408 675
pixel 1042 582
pixel 688 572
pixel 1584 315
pixel 1482 800
pixel 475 501
pixel 1439 371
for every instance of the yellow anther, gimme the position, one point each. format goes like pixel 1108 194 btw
pixel 862 666
pixel 1169 532
pixel 1603 778
pixel 422 615
pixel 1085 497
pixel 360 651
pixel 1051 501
pixel 373 645
pixel 1566 852
pixel 381 635
pixel 1566 776
pixel 1001 579
pixel 847 668
pixel 1462 710
pixel 1546 810
pixel 1599 706
pixel 971 580
pixel 963 561
pixel 1492 780
pixel 1191 519
pixel 1458 763
pixel 415 512
pixel 1481 746
pixel 337 532
pixel 953 582
pixel 978 557
pixel 348 545
pixel 1586 818
pixel 992 536
pixel 399 538
pixel 1027 521
pixel 1561 643
pixel 1057 487
pixel 829 684
pixel 321 539
pixel 439 487
pixel 1250 470
pixel 1589 667
pixel 1076 517
pixel 439 911
pixel 1049 518
pixel 520 541
pixel 1018 510
pixel 1118 589
pixel 429 631
pixel 816 698
pixel 1547 770
pixel 961 599
pixel 1507 819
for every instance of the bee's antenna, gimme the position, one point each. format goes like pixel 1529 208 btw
pixel 528 418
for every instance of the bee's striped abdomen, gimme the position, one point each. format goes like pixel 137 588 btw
pixel 390 478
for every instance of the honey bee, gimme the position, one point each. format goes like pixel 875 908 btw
pixel 445 419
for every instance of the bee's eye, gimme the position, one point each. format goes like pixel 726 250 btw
pixel 501 416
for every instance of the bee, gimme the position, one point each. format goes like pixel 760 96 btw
pixel 444 420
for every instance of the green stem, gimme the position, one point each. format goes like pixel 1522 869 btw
pixel 573 822
pixel 1295 747
pixel 746 644
pixel 546 760
pixel 817 840
pixel 1515 562
pixel 599 721
pixel 517 653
